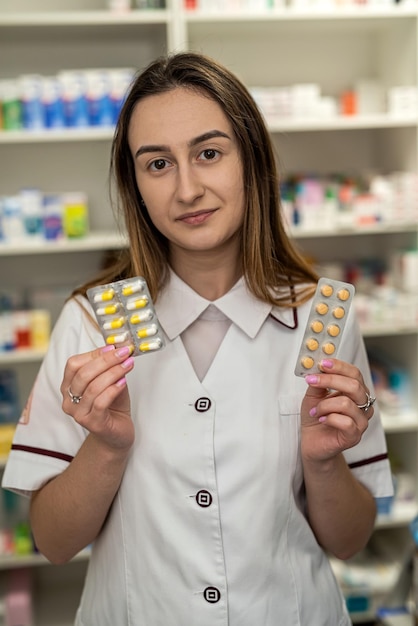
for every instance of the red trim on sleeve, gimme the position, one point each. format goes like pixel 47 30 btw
pixel 372 459
pixel 43 452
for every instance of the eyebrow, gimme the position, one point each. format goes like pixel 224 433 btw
pixel 211 134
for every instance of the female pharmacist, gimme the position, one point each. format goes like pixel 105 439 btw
pixel 211 480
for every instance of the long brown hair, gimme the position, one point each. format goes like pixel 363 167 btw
pixel 269 260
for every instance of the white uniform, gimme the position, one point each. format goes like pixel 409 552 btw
pixel 208 526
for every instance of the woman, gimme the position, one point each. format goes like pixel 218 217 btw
pixel 210 479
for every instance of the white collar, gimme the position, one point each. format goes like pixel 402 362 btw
pixel 179 305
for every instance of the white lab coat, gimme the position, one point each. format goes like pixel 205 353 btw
pixel 208 526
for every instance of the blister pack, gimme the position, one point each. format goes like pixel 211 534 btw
pixel 326 322
pixel 126 315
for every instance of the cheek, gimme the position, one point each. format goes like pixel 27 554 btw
pixel 153 197
pixel 237 196
pixel 157 216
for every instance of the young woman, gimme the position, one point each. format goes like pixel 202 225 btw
pixel 211 481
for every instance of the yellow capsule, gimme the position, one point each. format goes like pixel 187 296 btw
pixel 114 339
pixel 138 303
pixel 118 322
pixel 148 346
pixel 104 296
pixel 147 331
pixel 135 287
pixel 110 309
pixel 145 316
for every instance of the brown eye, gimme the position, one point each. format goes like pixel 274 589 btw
pixel 209 154
pixel 159 164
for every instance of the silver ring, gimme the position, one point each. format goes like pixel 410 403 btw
pixel 366 406
pixel 74 399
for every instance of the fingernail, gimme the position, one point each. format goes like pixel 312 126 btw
pixel 121 352
pixel 327 363
pixel 121 382
pixel 312 412
pixel 322 419
pixel 311 379
pixel 128 362
pixel 107 348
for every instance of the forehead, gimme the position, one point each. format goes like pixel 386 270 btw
pixel 174 117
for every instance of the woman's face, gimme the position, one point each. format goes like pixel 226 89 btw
pixel 189 172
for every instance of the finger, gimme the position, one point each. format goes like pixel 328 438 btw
pixel 335 406
pixel 89 373
pixel 354 388
pixel 348 431
pixel 336 366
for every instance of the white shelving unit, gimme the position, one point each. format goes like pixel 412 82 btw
pixel 45 37
pixel 271 48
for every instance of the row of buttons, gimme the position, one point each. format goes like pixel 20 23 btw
pixel 204 499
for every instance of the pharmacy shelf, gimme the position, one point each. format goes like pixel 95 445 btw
pixel 94 241
pixel 34 560
pixel 401 515
pixel 389 329
pixel 105 133
pixel 22 355
pixel 339 122
pixel 301 14
pixel 87 134
pixel 378 228
pixel 406 421
pixel 83 18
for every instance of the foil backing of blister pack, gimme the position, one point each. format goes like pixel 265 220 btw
pixel 325 325
pixel 126 315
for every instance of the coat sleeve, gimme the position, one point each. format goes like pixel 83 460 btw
pixel 46 438
pixel 369 459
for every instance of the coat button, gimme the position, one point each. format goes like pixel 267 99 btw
pixel 202 405
pixel 212 595
pixel 203 498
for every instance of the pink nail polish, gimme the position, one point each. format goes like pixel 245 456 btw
pixel 121 382
pixel 312 412
pixel 107 348
pixel 322 419
pixel 128 362
pixel 121 352
pixel 327 363
pixel 311 379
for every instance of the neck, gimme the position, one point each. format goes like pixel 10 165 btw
pixel 210 278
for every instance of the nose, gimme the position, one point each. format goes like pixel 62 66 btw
pixel 189 184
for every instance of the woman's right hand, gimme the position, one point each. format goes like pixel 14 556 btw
pixel 98 379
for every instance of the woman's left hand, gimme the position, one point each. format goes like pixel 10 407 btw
pixel 331 417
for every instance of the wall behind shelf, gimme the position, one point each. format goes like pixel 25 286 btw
pixel 334 53
pixel 78 48
pixel 58 167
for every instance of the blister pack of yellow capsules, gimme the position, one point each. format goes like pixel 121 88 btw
pixel 326 322
pixel 126 315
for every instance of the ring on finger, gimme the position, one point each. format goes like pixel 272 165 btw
pixel 369 402
pixel 74 399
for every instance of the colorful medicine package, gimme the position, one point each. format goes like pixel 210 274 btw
pixel 126 315
pixel 325 325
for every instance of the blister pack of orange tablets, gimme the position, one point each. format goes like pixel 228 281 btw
pixel 126 315
pixel 325 325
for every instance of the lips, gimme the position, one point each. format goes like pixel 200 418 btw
pixel 198 217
